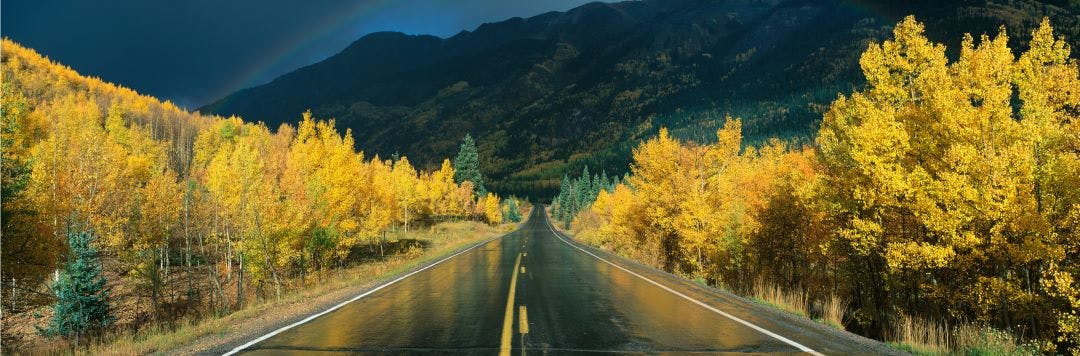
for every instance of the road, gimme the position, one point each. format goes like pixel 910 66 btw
pixel 533 291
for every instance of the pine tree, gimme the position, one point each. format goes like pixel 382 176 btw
pixel 82 301
pixel 563 202
pixel 512 212
pixel 467 166
pixel 597 186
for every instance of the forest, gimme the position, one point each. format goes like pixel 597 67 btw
pixel 944 190
pixel 198 214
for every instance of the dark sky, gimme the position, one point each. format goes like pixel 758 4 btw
pixel 195 51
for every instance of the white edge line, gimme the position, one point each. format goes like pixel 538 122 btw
pixel 339 305
pixel 695 301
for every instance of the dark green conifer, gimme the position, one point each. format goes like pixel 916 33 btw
pixel 467 166
pixel 82 301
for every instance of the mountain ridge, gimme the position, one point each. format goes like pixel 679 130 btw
pixel 553 92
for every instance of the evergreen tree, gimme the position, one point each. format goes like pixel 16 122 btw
pixel 82 301
pixel 555 204
pixel 597 186
pixel 467 166
pixel 581 191
pixel 604 182
pixel 512 212
pixel 564 199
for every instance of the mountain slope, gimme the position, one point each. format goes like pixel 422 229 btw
pixel 560 90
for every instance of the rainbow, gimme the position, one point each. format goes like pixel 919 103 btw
pixel 301 40
pixel 356 13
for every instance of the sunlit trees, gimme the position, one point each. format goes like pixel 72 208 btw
pixel 938 181
pixel 405 183
pixel 947 190
pixel 30 253
pixel 193 212
pixel 492 209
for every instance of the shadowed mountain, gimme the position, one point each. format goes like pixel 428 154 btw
pixel 561 90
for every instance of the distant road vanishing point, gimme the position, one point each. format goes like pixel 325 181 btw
pixel 535 291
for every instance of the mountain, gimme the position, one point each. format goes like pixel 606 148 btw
pixel 554 92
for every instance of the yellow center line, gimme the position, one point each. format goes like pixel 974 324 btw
pixel 523 320
pixel 508 318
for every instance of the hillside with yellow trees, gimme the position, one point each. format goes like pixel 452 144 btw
pixel 946 191
pixel 195 214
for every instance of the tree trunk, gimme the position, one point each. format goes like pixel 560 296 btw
pixel 240 282
pixel 212 272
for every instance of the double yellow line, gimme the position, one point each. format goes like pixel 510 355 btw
pixel 508 317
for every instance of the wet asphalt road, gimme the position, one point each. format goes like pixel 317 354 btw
pixel 570 300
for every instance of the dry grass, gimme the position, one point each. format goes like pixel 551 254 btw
pixel 831 310
pixel 928 337
pixel 445 238
pixel 773 295
pixel 834 311
pixel 920 335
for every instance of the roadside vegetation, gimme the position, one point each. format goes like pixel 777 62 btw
pixel 938 207
pixel 414 248
pixel 124 215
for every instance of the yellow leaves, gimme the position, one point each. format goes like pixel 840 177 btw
pixel 442 195
pixel 405 183
pixel 931 170
pixel 621 220
pixel 1061 284
pixel 864 236
pixel 930 143
pixel 917 255
pixel 79 174
pixel 143 173
pixel 492 209
pixel 894 66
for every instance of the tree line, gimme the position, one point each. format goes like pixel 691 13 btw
pixel 945 189
pixel 226 208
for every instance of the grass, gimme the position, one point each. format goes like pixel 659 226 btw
pixel 773 295
pixel 834 311
pixel 929 337
pixel 445 239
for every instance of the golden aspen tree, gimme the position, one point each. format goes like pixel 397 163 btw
pixel 422 205
pixel 492 209
pixel 324 175
pixel 405 182
pixel 935 182
pixel 461 203
pixel 29 252
pixel 655 164
pixel 441 192
pixel 1048 84
pixel 380 205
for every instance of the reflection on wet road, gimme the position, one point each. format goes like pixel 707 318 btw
pixel 564 300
